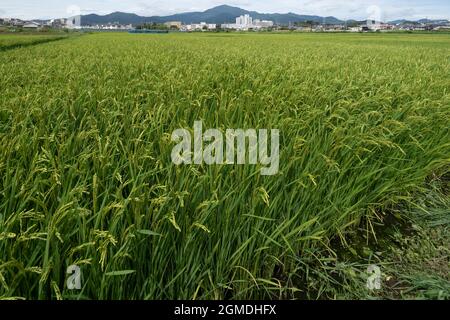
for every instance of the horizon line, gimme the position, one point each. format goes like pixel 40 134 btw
pixel 251 11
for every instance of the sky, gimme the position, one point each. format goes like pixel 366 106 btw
pixel 343 9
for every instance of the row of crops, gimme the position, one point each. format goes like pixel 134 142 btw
pixel 86 176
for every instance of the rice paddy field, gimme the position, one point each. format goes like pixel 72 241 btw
pixel 86 176
pixel 11 41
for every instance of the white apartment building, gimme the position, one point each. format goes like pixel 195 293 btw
pixel 199 27
pixel 246 22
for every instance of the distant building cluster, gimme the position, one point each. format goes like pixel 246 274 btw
pixel 62 23
pixel 55 23
pixel 371 26
pixel 242 23
pixel 15 22
pixel 108 26
pixel 246 22
pixel 202 26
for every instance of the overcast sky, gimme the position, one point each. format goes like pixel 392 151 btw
pixel 343 9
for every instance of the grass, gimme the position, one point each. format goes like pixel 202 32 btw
pixel 411 249
pixel 86 175
pixel 422 260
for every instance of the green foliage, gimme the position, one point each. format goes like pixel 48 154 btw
pixel 411 248
pixel 86 176
pixel 152 26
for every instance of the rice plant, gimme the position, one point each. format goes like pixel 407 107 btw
pixel 8 41
pixel 86 176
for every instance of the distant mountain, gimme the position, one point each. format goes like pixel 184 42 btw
pixel 426 21
pixel 439 21
pixel 400 21
pixel 115 17
pixel 220 14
